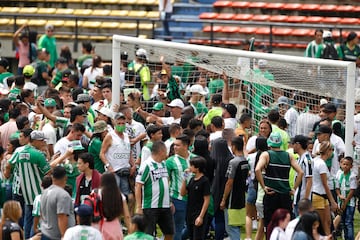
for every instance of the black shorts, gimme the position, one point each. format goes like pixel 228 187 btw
pixel 161 216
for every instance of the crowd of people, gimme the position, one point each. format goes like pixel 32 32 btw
pixel 176 154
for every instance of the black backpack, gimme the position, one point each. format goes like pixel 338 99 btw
pixel 329 52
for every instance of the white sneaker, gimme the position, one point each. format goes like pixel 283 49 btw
pixel 254 225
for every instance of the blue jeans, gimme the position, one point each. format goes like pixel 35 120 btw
pixel 28 222
pixel 179 217
pixel 219 224
pixel 232 231
pixel 348 222
pixel 43 237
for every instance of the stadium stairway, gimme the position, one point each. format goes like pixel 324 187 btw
pixel 183 31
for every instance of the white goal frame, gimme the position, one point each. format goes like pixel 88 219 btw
pixel 350 71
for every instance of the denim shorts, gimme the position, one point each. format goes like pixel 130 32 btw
pixel 123 183
pixel 251 194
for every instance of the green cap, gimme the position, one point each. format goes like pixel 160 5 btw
pixel 274 140
pixel 76 145
pixel 50 102
pixel 158 106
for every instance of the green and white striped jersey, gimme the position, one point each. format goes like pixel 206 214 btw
pixel 176 165
pixel 155 190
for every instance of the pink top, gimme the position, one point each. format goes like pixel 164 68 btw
pixel 112 230
pixel 6 130
pixel 23 54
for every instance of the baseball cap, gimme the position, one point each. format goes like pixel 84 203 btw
pixel 49 27
pixel 84 210
pixel 28 71
pixel 176 103
pixel 76 111
pixel 106 111
pixel 76 145
pixel 231 108
pixel 327 34
pixel 65 75
pixel 50 102
pixel 303 140
pixel 83 97
pixel 100 126
pixel 119 115
pixel 330 108
pixel 37 135
pixel 283 100
pixel 158 106
pixel 197 88
pixel 274 140
pixel 4 62
pixel 323 129
pixel 141 53
pixel 163 72
pixel 323 101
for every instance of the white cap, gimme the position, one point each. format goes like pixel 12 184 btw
pixel 262 62
pixel 197 88
pixel 106 111
pixel 323 101
pixel 283 100
pixel 141 53
pixel 177 103
pixel 327 34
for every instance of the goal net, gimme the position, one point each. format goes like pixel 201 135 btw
pixel 257 81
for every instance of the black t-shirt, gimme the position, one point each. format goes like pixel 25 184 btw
pixel 197 189
pixel 84 188
pixel 10 227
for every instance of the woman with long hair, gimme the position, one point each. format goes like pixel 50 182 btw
pixel 251 214
pixel 9 221
pixel 92 72
pixel 114 205
pixel 321 194
pixel 309 227
pixel 221 155
pixel 276 228
pixel 264 131
pixel 201 148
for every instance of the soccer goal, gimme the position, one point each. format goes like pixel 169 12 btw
pixel 257 79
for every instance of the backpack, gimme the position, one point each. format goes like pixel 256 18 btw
pixel 329 52
pixel 94 200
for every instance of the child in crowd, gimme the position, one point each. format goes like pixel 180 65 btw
pixel 198 191
pixel 346 185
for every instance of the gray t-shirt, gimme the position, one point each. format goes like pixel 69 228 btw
pixel 55 200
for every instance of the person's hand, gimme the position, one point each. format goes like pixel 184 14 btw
pixel 198 221
pixel 224 77
pixel 342 197
pixel 222 204
pixel 36 236
pixel 269 191
pixel 139 210
pixel 334 206
pixel 69 152
pixel 172 208
pixel 292 192
pixel 110 169
pixel 39 100
pixel 116 107
pixel 162 58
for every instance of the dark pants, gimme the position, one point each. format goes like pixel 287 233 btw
pixel 274 202
pixel 21 200
pixel 219 224
pixel 166 24
pixel 197 233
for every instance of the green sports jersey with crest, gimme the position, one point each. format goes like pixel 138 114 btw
pixel 154 177
pixel 176 165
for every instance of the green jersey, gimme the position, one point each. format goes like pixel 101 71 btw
pixel 176 165
pixel 14 93
pixel 348 54
pixel 139 236
pixel 345 183
pixel 58 77
pixel 4 76
pixel 72 172
pixel 154 178
pixel 41 67
pixel 199 108
pixel 312 49
pixel 216 85
pixel 94 150
pixel 49 43
pixel 32 166
pixel 82 58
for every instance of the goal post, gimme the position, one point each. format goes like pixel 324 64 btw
pixel 315 77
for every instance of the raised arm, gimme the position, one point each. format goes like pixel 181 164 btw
pixel 16 34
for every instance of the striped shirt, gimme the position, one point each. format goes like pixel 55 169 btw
pixel 345 183
pixel 277 172
pixel 176 165
pixel 154 177
pixel 15 173
pixel 305 162
pixel 32 166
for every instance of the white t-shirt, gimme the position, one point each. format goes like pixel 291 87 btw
pixel 215 135
pixel 251 160
pixel 50 133
pixel 91 75
pixel 133 130
pixel 291 227
pixel 291 116
pixel 319 168
pixel 278 234
pixel 251 143
pixel 82 232
pixel 230 123
pixel 62 145
pixel 170 120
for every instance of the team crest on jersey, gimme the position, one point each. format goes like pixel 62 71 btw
pixel 159 173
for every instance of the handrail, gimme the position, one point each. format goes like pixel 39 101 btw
pixel 153 21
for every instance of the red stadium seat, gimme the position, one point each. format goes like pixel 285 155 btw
pixel 296 19
pixel 260 18
pixel 262 31
pixel 274 6
pixel 216 42
pixel 215 29
pixel 301 45
pixel 313 19
pixel 240 4
pixel 225 16
pixel 278 18
pixel 310 7
pixel 206 15
pixel 292 6
pixel 282 31
pixel 222 4
pixel 230 29
pixel 257 4
pixel 232 43
pixel 243 17
pixel 197 41
pixel 345 8
pixel 349 21
pixel 302 32
pixel 247 30
pixel 284 45
pixel 327 7
pixel 357 9
pixel 331 20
